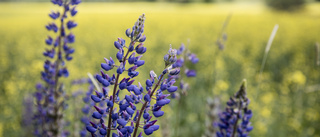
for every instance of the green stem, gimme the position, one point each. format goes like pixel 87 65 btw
pixel 144 106
pixel 110 110
pixel 225 24
pixel 236 124
pixel 113 95
pixel 56 117
pixel 178 116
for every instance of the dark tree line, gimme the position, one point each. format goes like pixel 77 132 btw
pixel 276 4
pixel 285 4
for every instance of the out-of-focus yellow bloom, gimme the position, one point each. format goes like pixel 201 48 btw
pixel 312 114
pixel 261 127
pixel 267 98
pixel 285 90
pixel 265 112
pixel 12 88
pixel 222 85
pixel 297 77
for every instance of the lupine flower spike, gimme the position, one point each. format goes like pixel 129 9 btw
pixel 235 120
pixel 185 62
pixel 121 116
pixel 50 96
pixel 221 41
pixel 184 56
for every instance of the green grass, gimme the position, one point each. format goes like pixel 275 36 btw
pixel 284 105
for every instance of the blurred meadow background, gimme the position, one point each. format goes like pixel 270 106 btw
pixel 284 98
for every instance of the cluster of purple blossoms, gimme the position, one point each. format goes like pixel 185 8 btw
pixel 221 42
pixel 27 115
pixel 83 117
pixel 184 56
pixel 235 120
pixel 50 96
pixel 122 115
pixel 86 110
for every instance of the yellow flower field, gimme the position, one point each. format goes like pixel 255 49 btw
pixel 285 99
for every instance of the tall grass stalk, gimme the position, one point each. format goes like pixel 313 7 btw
pixel 222 37
pixel 224 27
pixel 94 82
pixel 317 54
pixel 273 34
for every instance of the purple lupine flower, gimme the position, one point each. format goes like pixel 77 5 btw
pixel 89 114
pixel 49 53
pixel 71 24
pixel 70 38
pixel 73 11
pixel 161 99
pixel 75 2
pixel 171 57
pixel 57 2
pixel 54 15
pixel 190 73
pixel 193 58
pixel 52 26
pixel 184 57
pixel 27 115
pixel 51 96
pixel 122 115
pixel 49 40
pixel 235 120
pixel 127 107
